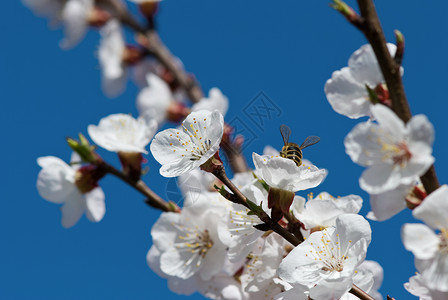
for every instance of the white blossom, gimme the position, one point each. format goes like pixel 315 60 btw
pixel 346 90
pixel 387 204
pixel 284 174
pixel 154 99
pixel 418 287
pixel 56 183
pixel 110 54
pixel 122 133
pixel 215 100
pixel 260 271
pixel 430 249
pixel 326 261
pixel 394 153
pixel 46 8
pixel 323 210
pixel 181 150
pixel 188 242
pixel 75 18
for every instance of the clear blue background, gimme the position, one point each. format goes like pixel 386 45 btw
pixel 288 49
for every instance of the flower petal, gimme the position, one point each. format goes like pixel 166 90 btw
pixel 55 181
pixel 434 209
pixel 346 95
pixel 95 206
pixel 73 209
pixel 420 240
pixel 379 178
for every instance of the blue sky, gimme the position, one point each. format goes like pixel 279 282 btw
pixel 285 49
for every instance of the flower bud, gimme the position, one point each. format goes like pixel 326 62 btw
pixel 212 164
pixel 132 55
pixel 87 177
pixel 84 149
pixel 132 164
pixel 280 201
pixel 177 111
pixel 98 17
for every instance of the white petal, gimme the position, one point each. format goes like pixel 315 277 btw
pixel 379 178
pixel 353 228
pixel 420 240
pixel 178 150
pixel 216 100
pixel 110 54
pixel 435 271
pixel 74 16
pixel 162 231
pixel 73 209
pixel 153 261
pixel 330 290
pixel 420 129
pixel 319 213
pixel 153 101
pixel 96 207
pixel 364 65
pixel 387 204
pixel 389 121
pixel 55 181
pixel 362 146
pixel 434 209
pixel 122 133
pixel 114 86
pixel 417 287
pixel 346 95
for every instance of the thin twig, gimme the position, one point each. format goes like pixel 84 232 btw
pixel 152 200
pixel 157 48
pixel 368 23
pixel 355 290
pixel 241 199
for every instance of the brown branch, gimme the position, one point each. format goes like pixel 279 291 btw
pixel 152 200
pixel 369 24
pixel 360 293
pixel 391 70
pixel 153 44
pixel 220 173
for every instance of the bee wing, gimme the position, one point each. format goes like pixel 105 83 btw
pixel 311 140
pixel 285 132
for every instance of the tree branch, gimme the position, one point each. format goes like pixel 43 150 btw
pixel 360 293
pixel 241 199
pixel 152 200
pixel 154 45
pixel 369 24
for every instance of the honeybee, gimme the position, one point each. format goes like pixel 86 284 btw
pixel 292 150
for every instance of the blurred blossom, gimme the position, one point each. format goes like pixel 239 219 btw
pixel 122 133
pixel 418 287
pixel 60 183
pixel 110 54
pixel 430 249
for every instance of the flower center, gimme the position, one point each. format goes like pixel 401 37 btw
pixel 397 152
pixel 443 245
pixel 197 144
pixel 328 253
pixel 197 243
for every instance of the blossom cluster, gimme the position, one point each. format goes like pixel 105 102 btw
pixel 261 234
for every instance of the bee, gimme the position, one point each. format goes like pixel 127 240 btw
pixel 292 150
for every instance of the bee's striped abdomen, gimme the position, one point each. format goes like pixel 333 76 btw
pixel 293 152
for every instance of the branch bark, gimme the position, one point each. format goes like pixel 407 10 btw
pixel 369 24
pixel 152 199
